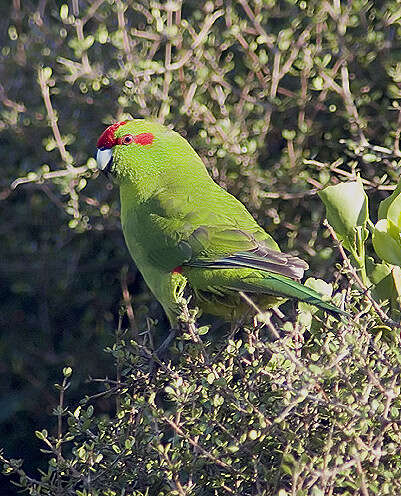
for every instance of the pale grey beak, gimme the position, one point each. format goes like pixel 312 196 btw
pixel 104 158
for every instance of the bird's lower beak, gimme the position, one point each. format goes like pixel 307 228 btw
pixel 104 158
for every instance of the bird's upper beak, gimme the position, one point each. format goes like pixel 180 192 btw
pixel 104 158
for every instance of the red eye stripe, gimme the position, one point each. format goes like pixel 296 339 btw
pixel 144 139
pixel 139 139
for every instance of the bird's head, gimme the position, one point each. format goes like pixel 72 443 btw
pixel 140 148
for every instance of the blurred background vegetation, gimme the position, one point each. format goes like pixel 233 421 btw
pixel 279 97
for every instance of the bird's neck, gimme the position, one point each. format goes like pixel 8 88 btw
pixel 140 185
pixel 137 188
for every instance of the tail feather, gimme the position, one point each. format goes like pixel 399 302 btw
pixel 277 285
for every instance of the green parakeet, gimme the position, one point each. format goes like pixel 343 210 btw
pixel 184 230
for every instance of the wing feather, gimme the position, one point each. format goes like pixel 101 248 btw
pixel 258 255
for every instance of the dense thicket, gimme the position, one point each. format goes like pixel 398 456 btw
pixel 280 98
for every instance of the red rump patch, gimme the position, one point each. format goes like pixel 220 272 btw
pixel 107 139
pixel 144 139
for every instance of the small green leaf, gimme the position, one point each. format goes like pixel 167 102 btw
pixel 67 371
pixel 203 330
pixel 386 203
pixel 386 244
pixel 42 435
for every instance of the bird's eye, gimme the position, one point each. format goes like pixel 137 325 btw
pixel 127 139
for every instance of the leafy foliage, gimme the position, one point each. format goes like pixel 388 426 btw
pixel 252 415
pixel 281 99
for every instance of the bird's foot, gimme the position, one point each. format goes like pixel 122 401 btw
pixel 162 349
pixel 160 353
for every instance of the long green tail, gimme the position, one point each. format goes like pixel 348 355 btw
pixel 278 285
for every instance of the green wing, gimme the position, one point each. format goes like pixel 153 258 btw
pixel 207 227
pixel 214 240
pixel 226 248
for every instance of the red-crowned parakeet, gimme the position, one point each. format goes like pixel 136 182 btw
pixel 183 229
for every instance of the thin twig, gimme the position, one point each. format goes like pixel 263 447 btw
pixel 71 171
pixel 127 302
pixel 53 120
pixel 196 445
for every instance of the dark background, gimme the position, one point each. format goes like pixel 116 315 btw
pixel 270 137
